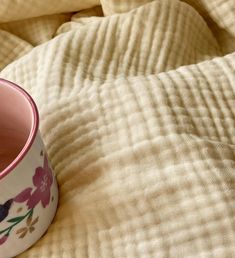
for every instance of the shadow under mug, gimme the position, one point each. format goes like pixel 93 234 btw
pixel 28 188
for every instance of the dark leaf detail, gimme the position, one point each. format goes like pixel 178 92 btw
pixel 4 209
pixel 16 219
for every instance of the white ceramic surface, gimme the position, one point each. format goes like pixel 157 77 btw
pixel 28 193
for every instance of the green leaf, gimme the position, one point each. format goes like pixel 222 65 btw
pixel 16 219
pixel 31 212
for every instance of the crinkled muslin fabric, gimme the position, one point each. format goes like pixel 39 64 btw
pixel 137 108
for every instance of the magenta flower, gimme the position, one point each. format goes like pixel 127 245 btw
pixel 42 179
pixel 24 195
pixel 3 239
pixel 41 192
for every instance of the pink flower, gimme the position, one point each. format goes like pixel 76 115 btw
pixel 3 239
pixel 42 179
pixel 24 195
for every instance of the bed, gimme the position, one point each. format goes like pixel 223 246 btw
pixel 137 108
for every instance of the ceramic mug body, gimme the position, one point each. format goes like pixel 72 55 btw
pixel 28 188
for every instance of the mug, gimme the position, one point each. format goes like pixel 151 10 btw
pixel 28 188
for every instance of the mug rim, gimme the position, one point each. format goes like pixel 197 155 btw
pixel 33 130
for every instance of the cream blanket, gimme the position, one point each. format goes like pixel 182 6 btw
pixel 137 106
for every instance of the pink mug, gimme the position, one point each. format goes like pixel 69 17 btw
pixel 28 189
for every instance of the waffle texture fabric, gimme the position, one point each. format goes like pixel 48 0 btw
pixel 137 107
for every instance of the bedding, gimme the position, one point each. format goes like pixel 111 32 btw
pixel 137 108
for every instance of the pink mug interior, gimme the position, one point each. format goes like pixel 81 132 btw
pixel 17 124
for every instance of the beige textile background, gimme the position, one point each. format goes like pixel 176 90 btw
pixel 137 108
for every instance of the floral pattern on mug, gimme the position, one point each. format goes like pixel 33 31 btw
pixel 4 209
pixel 28 228
pixel 31 196
pixel 42 180
pixel 3 239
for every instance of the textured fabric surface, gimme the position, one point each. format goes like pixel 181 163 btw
pixel 137 113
